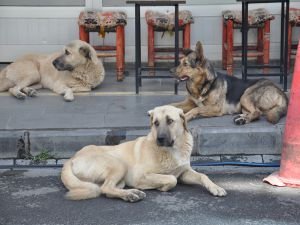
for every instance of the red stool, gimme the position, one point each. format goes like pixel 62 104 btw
pixel 294 21
pixel 162 22
pixel 259 19
pixel 104 22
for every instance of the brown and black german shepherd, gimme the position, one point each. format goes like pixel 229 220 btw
pixel 212 94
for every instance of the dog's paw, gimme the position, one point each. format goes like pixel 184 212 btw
pixel 20 96
pixel 239 120
pixel 32 92
pixel 139 193
pixel 217 191
pixel 188 116
pixel 134 195
pixel 69 97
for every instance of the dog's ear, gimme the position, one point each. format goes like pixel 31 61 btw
pixel 88 53
pixel 150 113
pixel 193 62
pixel 186 51
pixel 209 75
pixel 199 52
pixel 184 122
pixel 85 51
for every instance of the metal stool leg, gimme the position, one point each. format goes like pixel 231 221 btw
pixel 290 32
pixel 176 45
pixel 286 46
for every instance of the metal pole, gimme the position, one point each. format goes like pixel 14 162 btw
pixel 243 41
pixel 245 20
pixel 286 45
pixel 176 46
pixel 176 36
pixel 137 47
pixel 282 36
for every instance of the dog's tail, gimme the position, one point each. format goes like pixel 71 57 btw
pixel 78 189
pixel 274 115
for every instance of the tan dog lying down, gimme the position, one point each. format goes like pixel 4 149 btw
pixel 77 69
pixel 155 161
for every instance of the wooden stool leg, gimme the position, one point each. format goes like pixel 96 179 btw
pixel 260 44
pixel 224 46
pixel 183 37
pixel 151 53
pixel 289 46
pixel 187 36
pixel 229 43
pixel 120 52
pixel 123 36
pixel 84 35
pixel 266 57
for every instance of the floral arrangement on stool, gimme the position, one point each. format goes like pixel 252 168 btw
pixel 105 22
pixel 165 22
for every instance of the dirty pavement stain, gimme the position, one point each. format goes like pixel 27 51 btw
pixel 34 192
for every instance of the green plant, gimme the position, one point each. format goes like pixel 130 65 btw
pixel 43 156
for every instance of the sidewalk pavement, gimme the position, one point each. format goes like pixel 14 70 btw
pixel 113 113
pixel 36 197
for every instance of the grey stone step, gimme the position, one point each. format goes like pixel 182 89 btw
pixel 105 118
pixel 208 140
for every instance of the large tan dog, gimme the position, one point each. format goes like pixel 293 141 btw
pixel 155 161
pixel 77 69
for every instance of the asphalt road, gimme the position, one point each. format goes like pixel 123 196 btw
pixel 32 197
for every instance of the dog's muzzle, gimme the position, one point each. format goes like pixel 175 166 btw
pixel 175 75
pixel 164 141
pixel 173 71
pixel 61 66
pixel 184 78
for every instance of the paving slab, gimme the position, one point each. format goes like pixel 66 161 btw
pixel 64 127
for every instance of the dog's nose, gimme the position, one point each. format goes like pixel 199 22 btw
pixel 55 62
pixel 161 140
pixel 172 70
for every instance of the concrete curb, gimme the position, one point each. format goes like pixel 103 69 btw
pixel 58 162
pixel 208 141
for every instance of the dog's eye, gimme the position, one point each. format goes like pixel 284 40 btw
pixel 185 63
pixel 156 123
pixel 193 63
pixel 67 52
pixel 169 121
